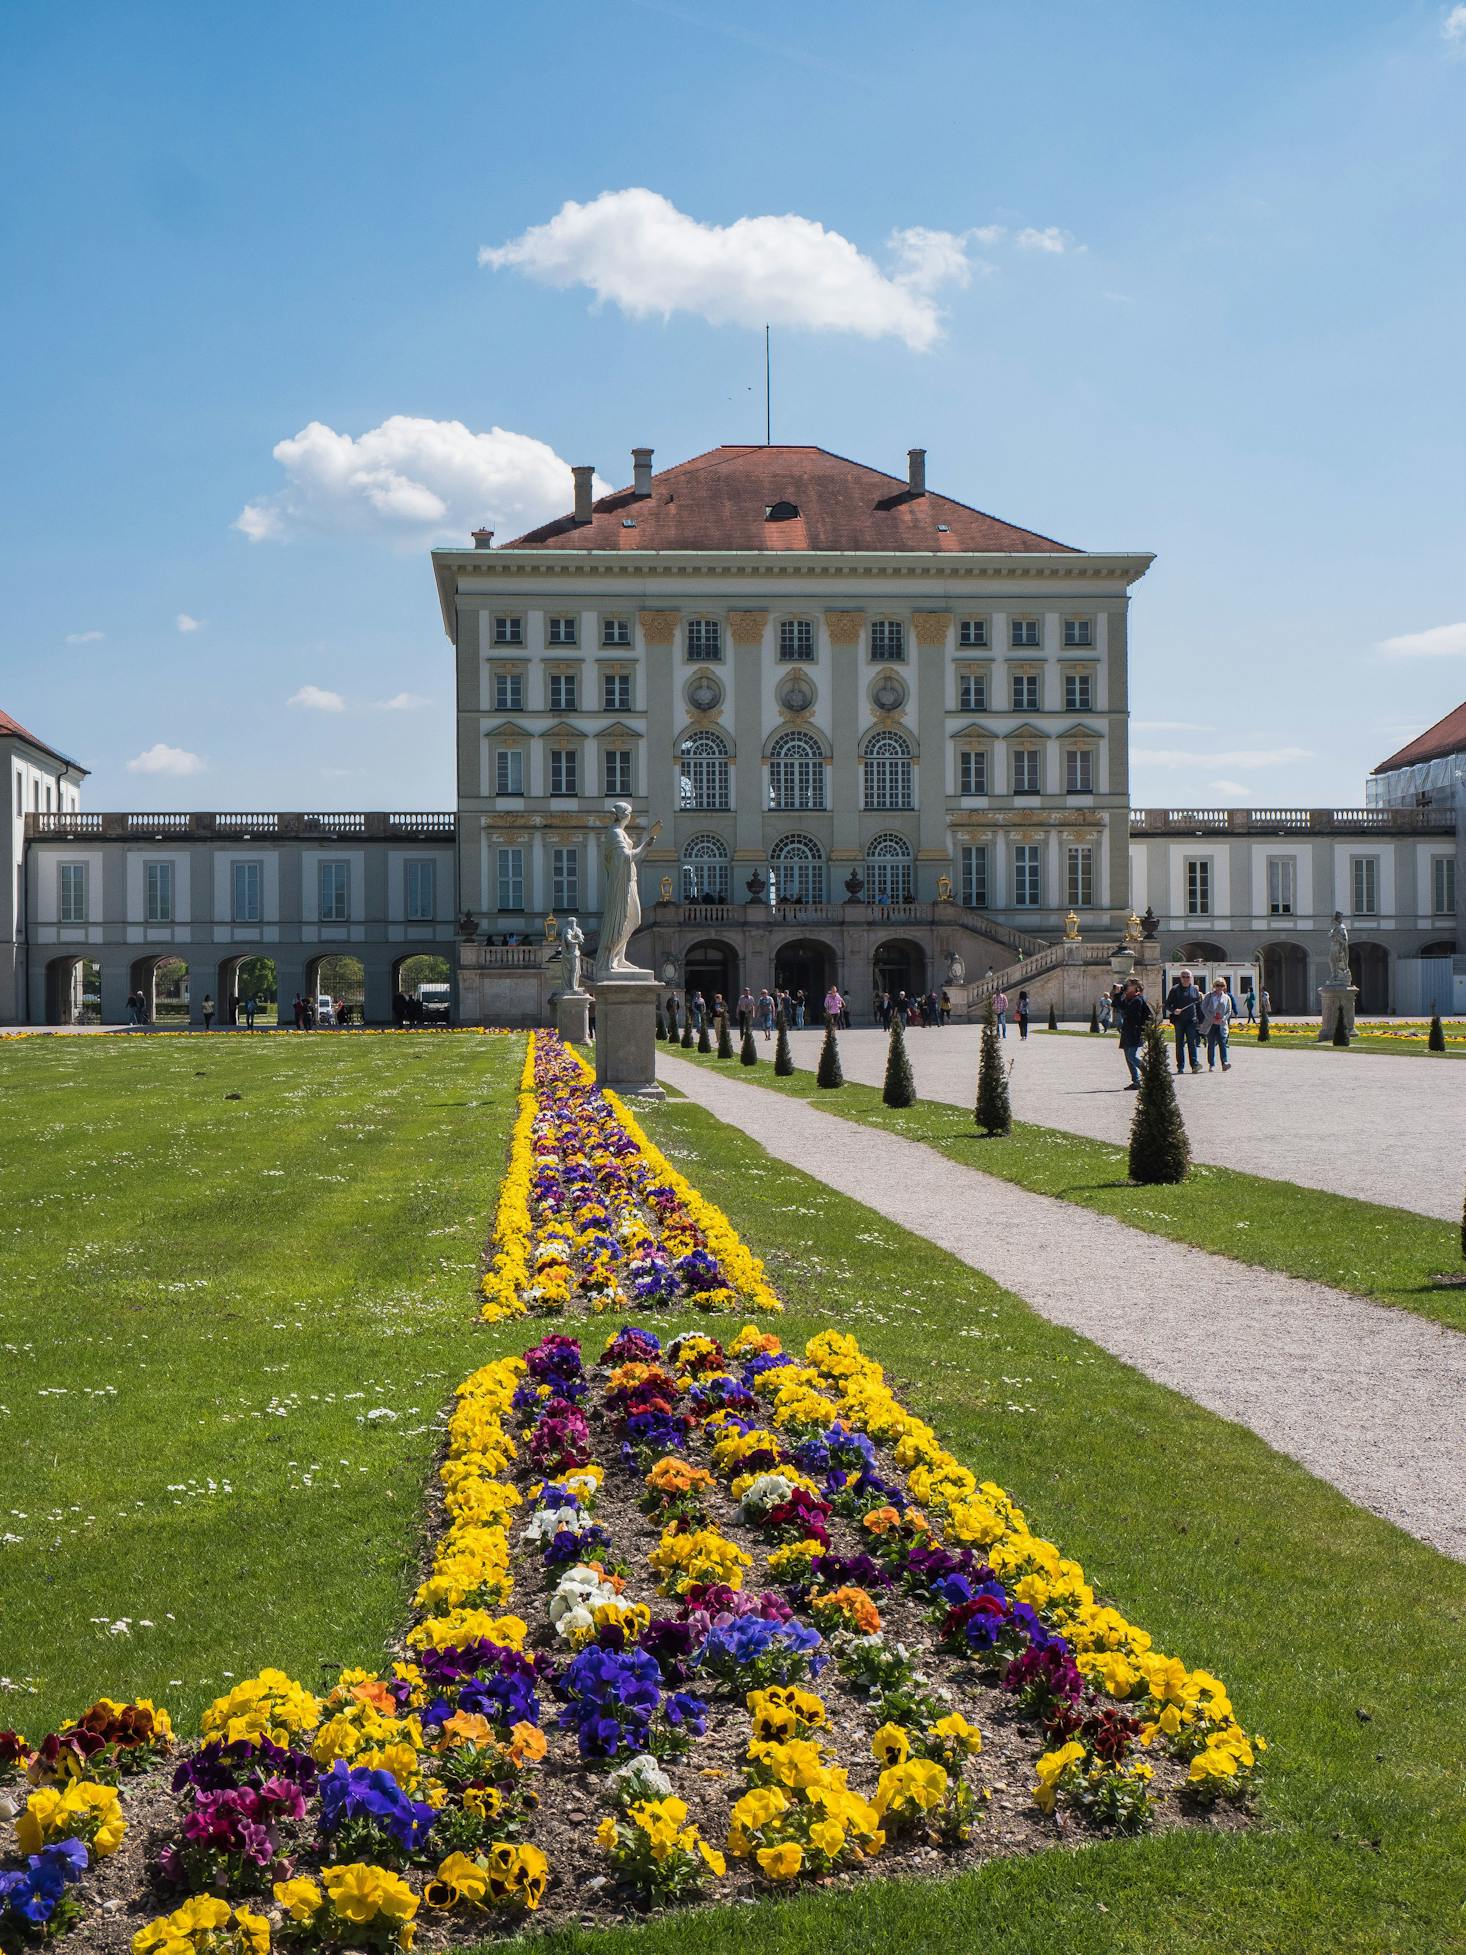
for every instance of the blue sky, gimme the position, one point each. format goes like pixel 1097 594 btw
pixel 1175 278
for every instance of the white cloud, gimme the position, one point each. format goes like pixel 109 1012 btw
pixel 1051 239
pixel 412 476
pixel 85 637
pixel 160 759
pixel 637 250
pixel 404 702
pixel 1240 757
pixel 186 623
pixel 927 260
pixel 1169 726
pixel 1234 790
pixel 318 700
pixel 1453 30
pixel 1441 641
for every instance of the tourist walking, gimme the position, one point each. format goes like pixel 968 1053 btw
pixel 1217 1013
pixel 1132 1015
pixel 745 1010
pixel 1023 1014
pixel 1103 1010
pixel 946 1006
pixel 208 1010
pixel 764 1014
pixel 1000 1007
pixel 298 1012
pixel 834 1006
pixel 697 1005
pixel 1264 1004
pixel 1251 1006
pixel 1183 1008
pixel 249 1012
pixel 799 1004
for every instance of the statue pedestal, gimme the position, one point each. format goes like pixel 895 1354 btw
pixel 1335 998
pixel 626 1032
pixel 572 1017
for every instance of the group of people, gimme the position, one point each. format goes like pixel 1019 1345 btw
pixel 927 1008
pixel 240 1010
pixel 335 1012
pixel 1196 1017
pixel 1020 1011
pixel 759 1013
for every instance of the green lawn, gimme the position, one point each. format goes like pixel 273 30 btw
pixel 1388 1254
pixel 205 1304
pixel 1342 1639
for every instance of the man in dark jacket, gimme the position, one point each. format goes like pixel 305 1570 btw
pixel 1132 1015
pixel 1183 1008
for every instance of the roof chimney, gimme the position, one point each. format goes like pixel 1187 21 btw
pixel 582 493
pixel 641 471
pixel 483 539
pixel 916 471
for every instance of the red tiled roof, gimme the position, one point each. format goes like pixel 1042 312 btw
pixel 13 728
pixel 1445 737
pixel 720 501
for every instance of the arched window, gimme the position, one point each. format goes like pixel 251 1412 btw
pixel 796 871
pixel 704 781
pixel 887 771
pixel 796 772
pixel 705 870
pixel 888 870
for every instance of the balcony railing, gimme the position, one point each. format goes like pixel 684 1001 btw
pixel 1291 821
pixel 206 825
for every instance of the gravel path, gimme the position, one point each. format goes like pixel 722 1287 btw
pixel 1379 1127
pixel 1370 1399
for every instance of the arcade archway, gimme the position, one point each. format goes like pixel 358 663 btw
pixel 805 964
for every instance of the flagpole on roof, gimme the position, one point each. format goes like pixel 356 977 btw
pixel 768 395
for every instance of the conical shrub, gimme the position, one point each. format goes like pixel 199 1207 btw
pixel 1159 1149
pixel 725 1037
pixel 994 1112
pixel 661 1022
pixel 748 1051
pixel 1437 1040
pixel 687 1039
pixel 704 1035
pixel 829 1073
pixel 900 1087
pixel 1264 1028
pixel 1341 1028
pixel 1094 1018
pixel 1053 1020
pixel 783 1057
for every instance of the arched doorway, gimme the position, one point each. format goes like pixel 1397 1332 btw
pixel 1443 947
pixel 1285 978
pixel 1369 967
pixel 899 965
pixel 164 983
pixel 1198 951
pixel 805 964
pixel 341 978
pixel 711 967
pixel 417 968
pixel 243 978
pixel 69 984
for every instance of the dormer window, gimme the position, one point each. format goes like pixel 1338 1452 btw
pixel 781 512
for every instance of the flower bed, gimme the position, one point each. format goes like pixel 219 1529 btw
pixel 592 1216
pixel 698 1623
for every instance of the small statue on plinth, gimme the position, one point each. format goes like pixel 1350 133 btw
pixel 1339 950
pixel 571 944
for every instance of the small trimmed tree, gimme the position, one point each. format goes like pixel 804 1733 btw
pixel 1053 1020
pixel 725 1037
pixel 748 1051
pixel 1341 1028
pixel 687 1039
pixel 704 1035
pixel 829 1073
pixel 1437 1040
pixel 661 1022
pixel 1094 1018
pixel 783 1057
pixel 1159 1150
pixel 994 1112
pixel 899 1088
pixel 1264 1027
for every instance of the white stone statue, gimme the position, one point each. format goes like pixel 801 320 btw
pixel 1338 951
pixel 570 945
pixel 620 901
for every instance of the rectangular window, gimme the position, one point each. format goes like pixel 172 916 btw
pixel 1280 872
pixel 508 631
pixel 509 771
pixel 1443 885
pixel 1026 888
pixel 615 631
pixel 1364 876
pixel 1081 877
pixel 335 892
pixel 510 874
pixel 565 879
pixel 1078 692
pixel 616 692
pixel 564 770
pixel 1025 770
pixel 972 775
pixel 1024 631
pixel 618 770
pixel 887 638
pixel 245 892
pixel 972 692
pixel 1198 886
pixel 1025 692
pixel 562 631
pixel 704 639
pixel 1078 771
pixel 796 638
pixel 1078 631
pixel 508 692
pixel 972 631
pixel 975 878
pixel 422 891
pixel 562 692
pixel 158 896
pixel 73 892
